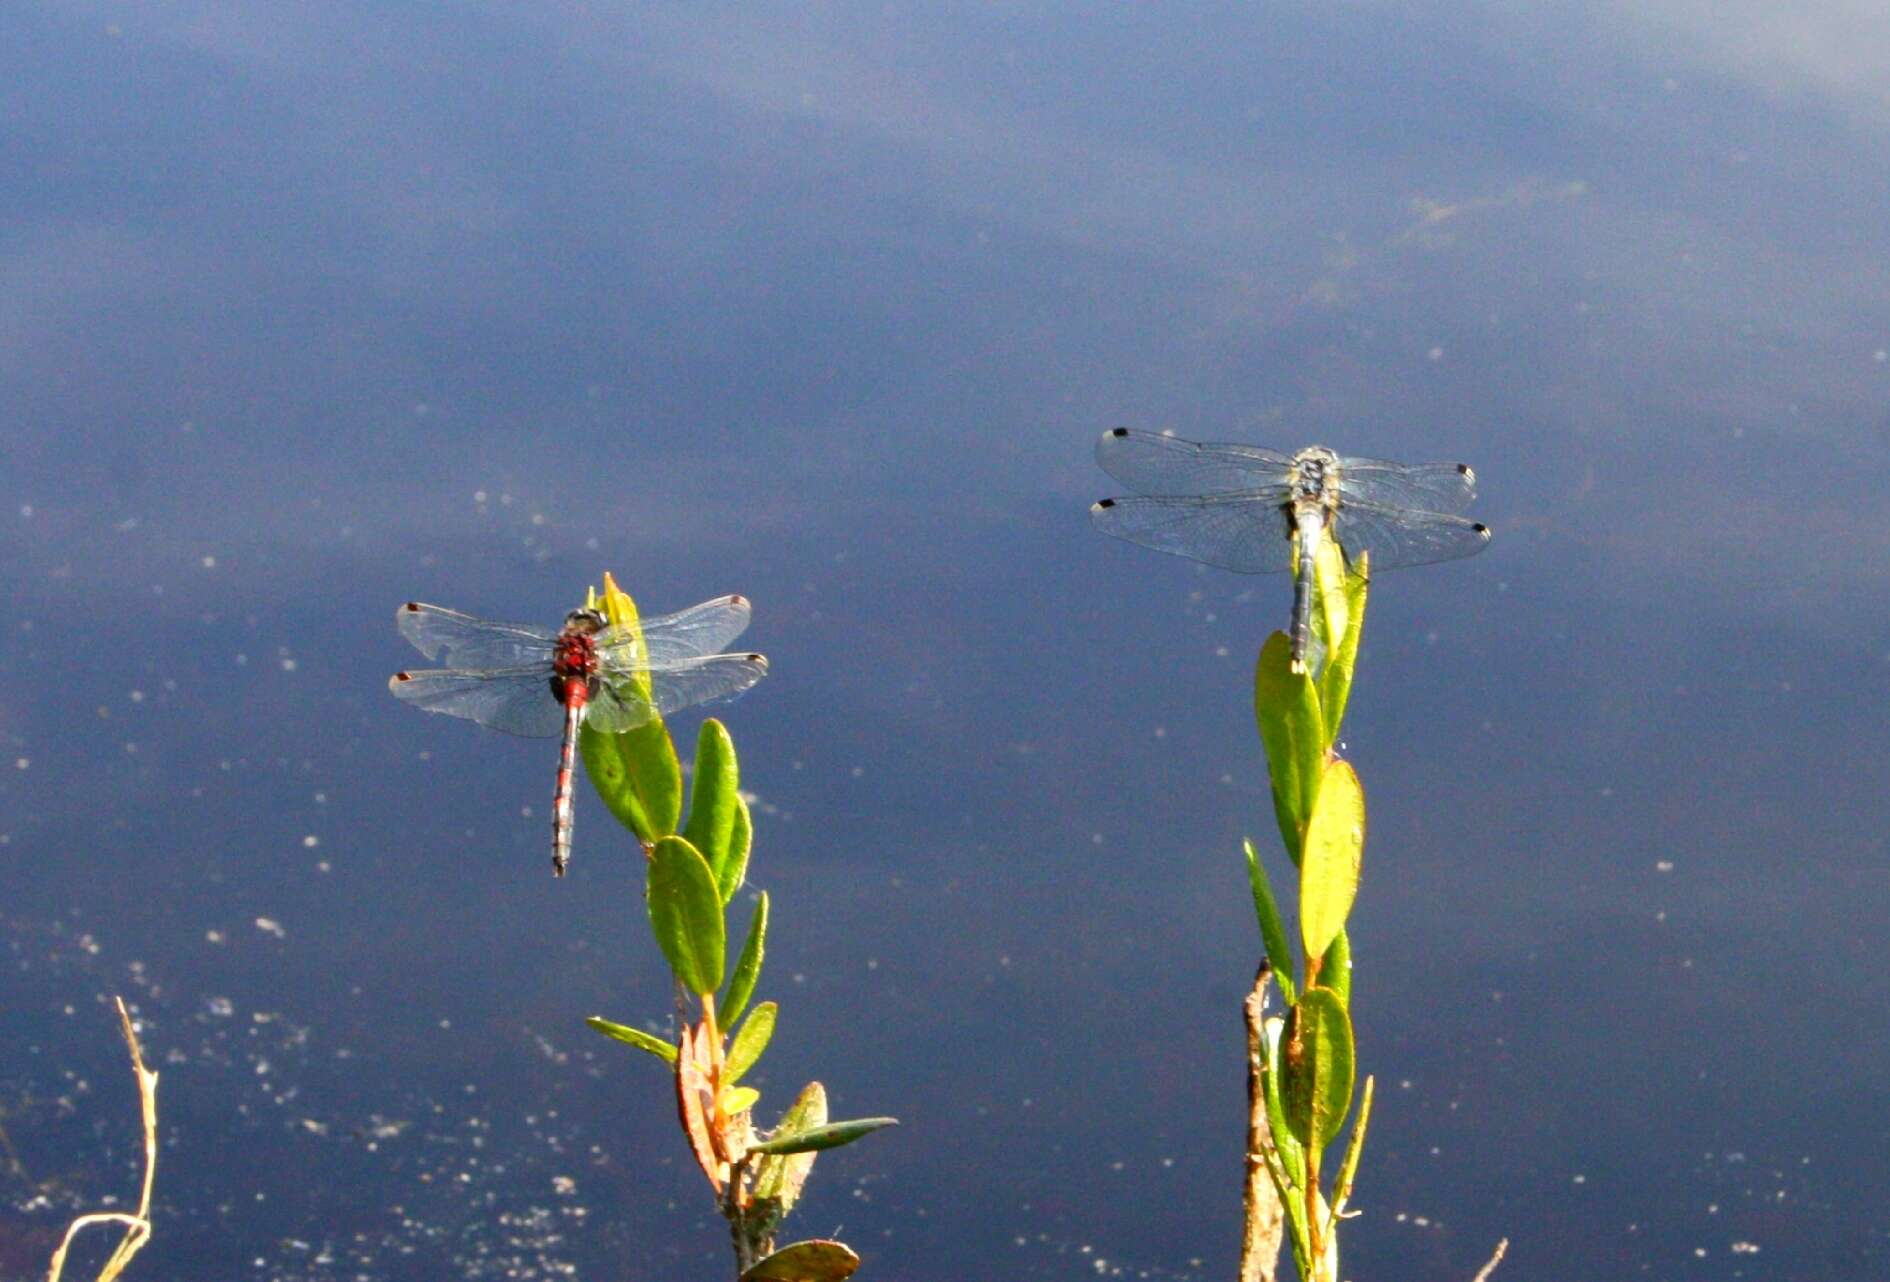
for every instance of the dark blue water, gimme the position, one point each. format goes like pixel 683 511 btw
pixel 306 313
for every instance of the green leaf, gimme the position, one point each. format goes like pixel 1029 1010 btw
pixel 637 776
pixel 750 1040
pixel 1328 874
pixel 741 985
pixel 815 1139
pixel 634 1037
pixel 780 1179
pixel 1292 1153
pixel 714 803
pixel 1291 727
pixel 1272 929
pixel 816 1260
pixel 1335 971
pixel 686 914
pixel 1335 682
pixel 1348 1169
pixel 1316 1087
pixel 734 870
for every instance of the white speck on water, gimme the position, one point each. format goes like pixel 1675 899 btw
pixel 1581 1179
pixel 288 665
pixel 213 936
pixel 859 771
pixel 242 660
pixel 1752 1248
pixel 136 696
pixel 311 841
pixel 1880 356
pixel 1663 865
pixel 209 563
pixel 221 1007
pixel 270 926
pixel 21 763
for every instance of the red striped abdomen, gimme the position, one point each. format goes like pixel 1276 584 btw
pixel 576 695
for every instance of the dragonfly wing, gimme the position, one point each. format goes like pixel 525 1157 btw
pixel 514 700
pixel 1234 531
pixel 447 636
pixel 1428 487
pixel 705 679
pixel 619 704
pixel 1400 536
pixel 701 629
pixel 1150 463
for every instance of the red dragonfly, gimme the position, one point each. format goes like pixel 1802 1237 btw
pixel 527 681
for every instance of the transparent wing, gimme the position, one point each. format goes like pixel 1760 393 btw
pixel 689 682
pixel 1400 536
pixel 515 700
pixel 701 629
pixel 1150 463
pixel 1235 532
pixel 447 636
pixel 1428 487
pixel 618 704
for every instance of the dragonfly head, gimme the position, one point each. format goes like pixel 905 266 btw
pixel 584 622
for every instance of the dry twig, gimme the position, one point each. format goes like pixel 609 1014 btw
pixel 137 1227
pixel 1264 1220
pixel 1496 1258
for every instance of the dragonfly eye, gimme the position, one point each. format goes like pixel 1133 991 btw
pixel 584 621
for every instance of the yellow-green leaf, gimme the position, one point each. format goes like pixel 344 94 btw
pixel 738 1099
pixel 750 1040
pixel 1286 706
pixel 815 1139
pixel 1272 928
pixel 1316 1086
pixel 634 1037
pixel 741 984
pixel 817 1260
pixel 779 1179
pixel 714 803
pixel 636 773
pixel 1335 680
pixel 1335 841
pixel 686 914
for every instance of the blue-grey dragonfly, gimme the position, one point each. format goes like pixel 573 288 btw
pixel 539 683
pixel 1260 511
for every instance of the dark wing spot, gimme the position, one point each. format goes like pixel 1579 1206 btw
pixel 1463 469
pixel 414 606
pixel 1103 503
pixel 403 676
pixel 757 658
pixel 1483 529
pixel 1118 431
